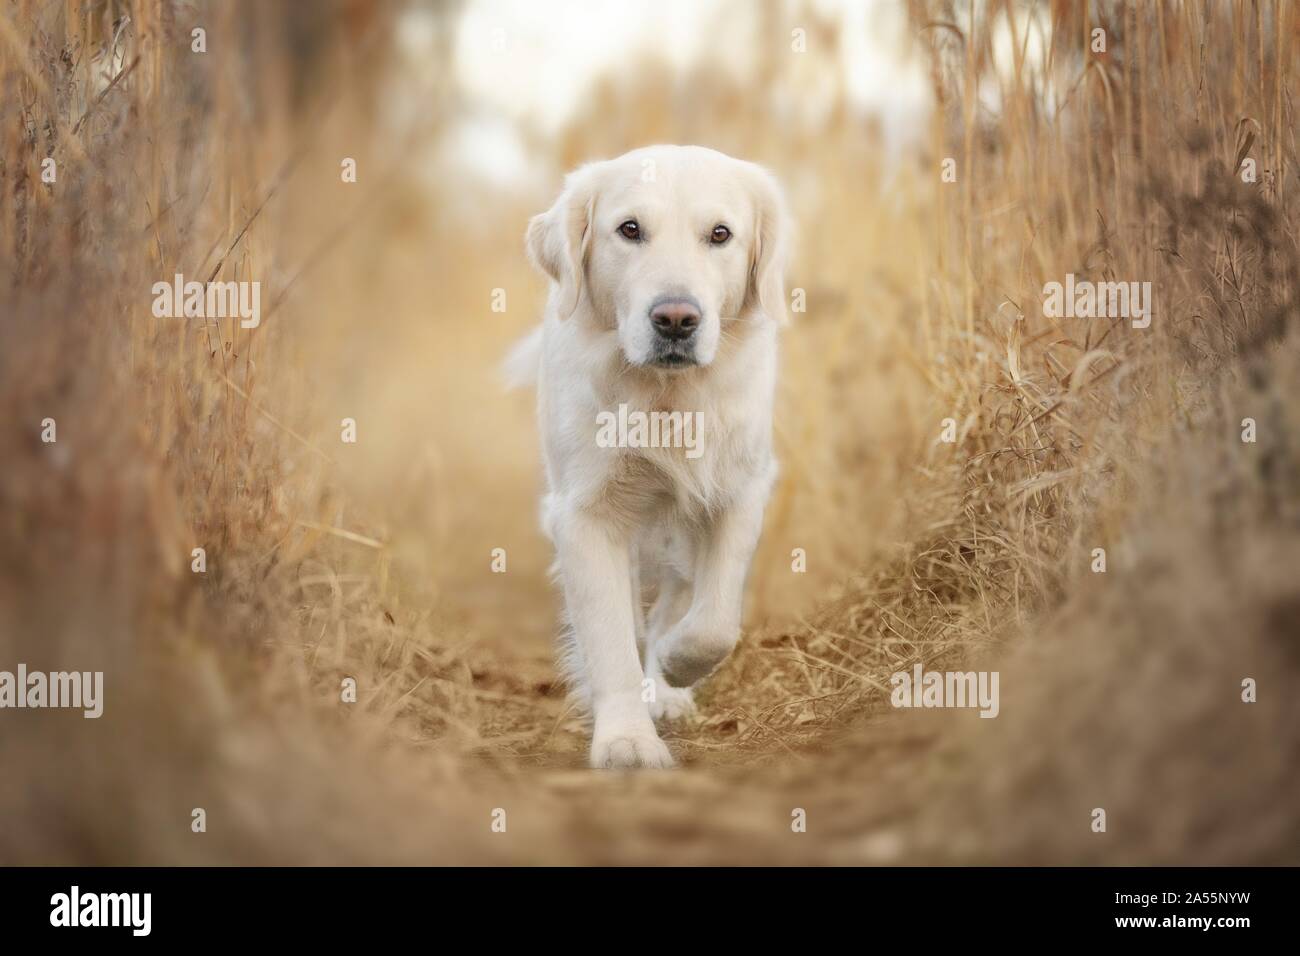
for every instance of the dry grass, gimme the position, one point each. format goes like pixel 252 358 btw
pixel 371 560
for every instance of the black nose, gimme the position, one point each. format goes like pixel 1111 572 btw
pixel 675 319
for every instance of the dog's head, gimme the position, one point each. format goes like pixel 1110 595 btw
pixel 670 245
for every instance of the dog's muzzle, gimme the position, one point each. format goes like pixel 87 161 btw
pixel 675 320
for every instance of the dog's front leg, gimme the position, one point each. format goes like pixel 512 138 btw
pixel 594 561
pixel 711 627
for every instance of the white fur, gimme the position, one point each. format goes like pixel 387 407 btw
pixel 624 519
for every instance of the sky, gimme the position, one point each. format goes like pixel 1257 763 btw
pixel 528 64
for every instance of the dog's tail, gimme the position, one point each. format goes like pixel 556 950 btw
pixel 522 365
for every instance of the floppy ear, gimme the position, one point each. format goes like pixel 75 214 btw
pixel 557 239
pixel 770 250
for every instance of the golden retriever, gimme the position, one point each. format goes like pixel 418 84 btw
pixel 655 367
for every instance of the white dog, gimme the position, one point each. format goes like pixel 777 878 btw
pixel 666 269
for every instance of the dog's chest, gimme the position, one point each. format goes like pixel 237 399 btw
pixel 687 467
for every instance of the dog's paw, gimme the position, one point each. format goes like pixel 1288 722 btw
pixel 671 703
pixel 690 656
pixel 630 750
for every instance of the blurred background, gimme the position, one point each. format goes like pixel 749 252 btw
pixel 943 161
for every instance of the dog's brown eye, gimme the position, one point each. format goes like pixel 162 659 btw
pixel 719 235
pixel 630 230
